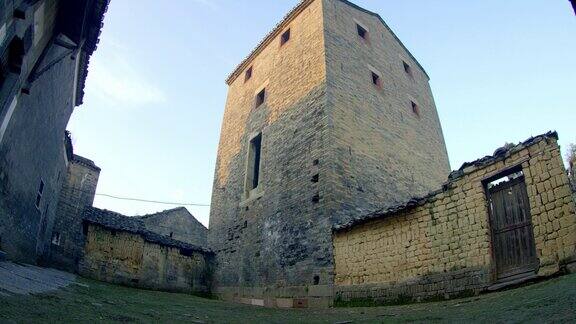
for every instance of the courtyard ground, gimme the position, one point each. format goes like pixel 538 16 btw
pixel 85 300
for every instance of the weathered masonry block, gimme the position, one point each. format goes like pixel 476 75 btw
pixel 120 250
pixel 77 193
pixel 448 242
pixel 308 141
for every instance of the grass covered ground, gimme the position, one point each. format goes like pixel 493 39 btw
pixel 89 301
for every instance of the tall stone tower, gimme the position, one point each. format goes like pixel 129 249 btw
pixel 329 118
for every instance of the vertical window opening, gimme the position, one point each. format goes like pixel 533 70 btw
pixel 16 55
pixel 253 176
pixel 260 97
pixel 39 194
pixel 248 74
pixel 407 68
pixel 285 37
pixel 362 32
pixel 376 80
pixel 415 108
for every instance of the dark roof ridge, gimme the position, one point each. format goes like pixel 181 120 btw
pixel 500 154
pixel 164 212
pixel 289 17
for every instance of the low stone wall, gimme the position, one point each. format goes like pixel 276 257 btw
pixel 440 245
pixel 126 258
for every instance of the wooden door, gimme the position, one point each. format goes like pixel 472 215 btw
pixel 512 236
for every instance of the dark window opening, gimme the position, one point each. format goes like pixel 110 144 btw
pixel 171 234
pixel 254 158
pixel 316 280
pixel 85 229
pixel 16 55
pixel 362 32
pixel 316 162
pixel 186 252
pixel 260 97
pixel 316 198
pixel 248 74
pixel 376 79
pixel 315 178
pixel 407 68
pixel 3 73
pixel 285 37
pixel 415 108
pixel 19 13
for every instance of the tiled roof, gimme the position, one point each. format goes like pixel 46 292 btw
pixel 95 22
pixel 169 212
pixel 499 154
pixel 287 19
pixel 115 221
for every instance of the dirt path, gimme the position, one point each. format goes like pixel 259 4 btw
pixel 20 279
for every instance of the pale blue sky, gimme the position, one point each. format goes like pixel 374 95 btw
pixel 501 71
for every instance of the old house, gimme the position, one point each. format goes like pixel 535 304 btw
pixel 178 224
pixel 45 47
pixel 167 250
pixel 121 250
pixel 500 220
pixel 328 118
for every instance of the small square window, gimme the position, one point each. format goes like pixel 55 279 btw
pixel 260 97
pixel 362 32
pixel 285 37
pixel 407 68
pixel 248 74
pixel 415 108
pixel 376 80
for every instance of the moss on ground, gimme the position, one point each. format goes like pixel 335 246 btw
pixel 90 301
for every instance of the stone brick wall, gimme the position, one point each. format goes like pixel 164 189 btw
pixel 382 152
pixel 126 258
pixel 330 152
pixel 441 245
pixel 78 192
pixel 178 224
pixel 32 145
pixel 269 245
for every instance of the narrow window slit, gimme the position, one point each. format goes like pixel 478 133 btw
pixel 415 108
pixel 362 32
pixel 260 97
pixel 285 37
pixel 248 74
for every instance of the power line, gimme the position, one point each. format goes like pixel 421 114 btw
pixel 152 201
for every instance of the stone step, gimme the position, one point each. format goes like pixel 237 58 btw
pixel 513 281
